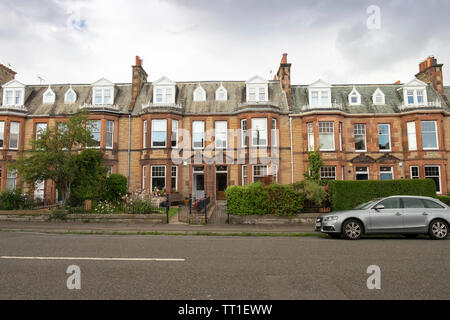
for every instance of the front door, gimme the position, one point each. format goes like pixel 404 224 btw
pixel 221 186
pixel 199 186
pixel 39 189
pixel 389 219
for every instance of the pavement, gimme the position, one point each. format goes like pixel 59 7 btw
pixel 111 228
pixel 35 265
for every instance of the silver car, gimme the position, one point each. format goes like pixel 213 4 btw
pixel 407 215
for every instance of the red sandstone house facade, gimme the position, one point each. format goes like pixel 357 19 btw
pixel 372 131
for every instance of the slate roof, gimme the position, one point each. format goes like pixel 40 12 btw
pixel 339 95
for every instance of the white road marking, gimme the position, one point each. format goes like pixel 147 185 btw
pixel 92 259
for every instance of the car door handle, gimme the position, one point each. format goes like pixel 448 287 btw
pixel 424 214
pixel 398 214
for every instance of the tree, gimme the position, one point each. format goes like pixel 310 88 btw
pixel 115 188
pixel 54 154
pixel 315 163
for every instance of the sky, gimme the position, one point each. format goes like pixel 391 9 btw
pixel 360 41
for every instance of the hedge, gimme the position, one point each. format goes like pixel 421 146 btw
pixel 256 199
pixel 345 195
pixel 444 199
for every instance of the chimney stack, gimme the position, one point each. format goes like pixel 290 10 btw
pixel 6 74
pixel 284 76
pixel 139 78
pixel 431 72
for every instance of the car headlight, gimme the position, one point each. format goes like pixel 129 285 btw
pixel 332 218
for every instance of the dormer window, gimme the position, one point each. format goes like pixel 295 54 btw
pixel 103 92
pixel 164 91
pixel 257 90
pixel 13 93
pixel 320 94
pixel 379 97
pixel 199 94
pixel 70 96
pixel 221 94
pixel 354 98
pixel 414 93
pixel 49 96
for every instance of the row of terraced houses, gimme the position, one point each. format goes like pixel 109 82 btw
pixel 364 131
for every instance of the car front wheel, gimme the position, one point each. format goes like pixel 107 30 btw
pixel 438 230
pixel 353 230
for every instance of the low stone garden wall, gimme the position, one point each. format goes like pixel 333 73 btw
pixel 308 219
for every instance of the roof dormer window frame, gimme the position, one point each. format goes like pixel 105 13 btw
pixel 164 91
pixel 257 90
pixel 67 99
pixel 354 94
pixel 415 93
pixel 378 94
pixel 103 92
pixel 319 94
pixel 49 96
pixel 221 93
pixel 199 94
pixel 13 93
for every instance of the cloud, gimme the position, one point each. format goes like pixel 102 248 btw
pixel 81 41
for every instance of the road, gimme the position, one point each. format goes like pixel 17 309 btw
pixel 221 267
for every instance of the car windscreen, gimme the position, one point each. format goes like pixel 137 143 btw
pixel 365 205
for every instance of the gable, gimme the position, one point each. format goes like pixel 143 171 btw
pixel 103 83
pixel 415 83
pixel 164 81
pixel 320 84
pixel 13 84
pixel 257 80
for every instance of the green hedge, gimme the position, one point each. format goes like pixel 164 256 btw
pixel 345 195
pixel 444 199
pixel 256 199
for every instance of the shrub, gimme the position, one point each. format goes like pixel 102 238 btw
pixel 345 195
pixel 247 200
pixel 140 202
pixel 58 214
pixel 283 200
pixel 311 191
pixel 104 207
pixel 115 188
pixel 15 200
pixel 444 199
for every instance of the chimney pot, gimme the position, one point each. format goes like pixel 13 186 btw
pixel 284 59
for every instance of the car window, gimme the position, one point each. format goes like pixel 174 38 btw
pixel 432 205
pixel 413 203
pixel 391 203
pixel 365 205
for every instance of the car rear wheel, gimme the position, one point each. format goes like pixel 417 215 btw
pixel 438 230
pixel 353 230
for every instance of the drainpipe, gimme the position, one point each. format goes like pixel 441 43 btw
pixel 292 152
pixel 129 150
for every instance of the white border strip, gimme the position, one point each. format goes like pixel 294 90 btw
pixel 92 259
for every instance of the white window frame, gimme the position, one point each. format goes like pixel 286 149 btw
pixel 11 175
pixel 41 127
pixel 49 96
pixel 221 91
pixel 199 94
pixel 310 134
pixel 257 90
pixel 109 133
pixel 254 133
pixel 144 177
pixel 440 175
pixel 354 93
pixel 412 137
pixel 174 132
pixel 165 135
pixel 326 173
pixel 362 172
pixel 323 98
pixel 166 89
pixel 379 93
pixel 99 132
pixel 15 133
pixel 356 131
pixel 274 133
pixel 327 133
pixel 259 176
pixel 220 133
pixel 244 133
pixel 144 133
pixel 411 172
pixel 340 125
pixel 2 134
pixel 199 132
pixel 244 175
pixel 436 134
pixel 66 96
pixel 387 172
pixel 415 96
pixel 158 177
pixel 172 177
pixel 103 95
pixel 11 94
pixel 390 140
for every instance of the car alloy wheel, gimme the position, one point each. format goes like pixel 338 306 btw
pixel 353 230
pixel 439 230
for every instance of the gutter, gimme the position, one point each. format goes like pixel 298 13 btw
pixel 292 151
pixel 129 150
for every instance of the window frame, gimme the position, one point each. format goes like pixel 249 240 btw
pixel 412 135
pixel 391 171
pixel 439 172
pixel 202 133
pixel 144 134
pixel 153 146
pixel 15 133
pixel 220 133
pixel 174 177
pixel 244 175
pixel 435 132
pixel 172 140
pixel 414 177
pixel 310 135
pixel 326 173
pixel 389 135
pixel 244 133
pixel 254 132
pixel 108 122
pixel 356 127
pixel 99 134
pixel 327 134
pixel 158 177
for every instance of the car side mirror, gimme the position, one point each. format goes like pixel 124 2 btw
pixel 379 207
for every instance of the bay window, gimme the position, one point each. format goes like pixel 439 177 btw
pixel 159 133
pixel 109 134
pixel 412 139
pixel 259 172
pixel 174 136
pixel 94 126
pixel 144 134
pixel 259 132
pixel 158 177
pixel 326 136
pixel 360 137
pixel 14 129
pixel 310 131
pixel 244 132
pixel 384 137
pixel 198 134
pixel 220 134
pixel 328 173
pixel 11 179
pixel 429 135
pixel 174 179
